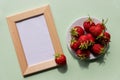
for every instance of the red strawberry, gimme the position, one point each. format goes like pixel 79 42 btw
pixel 91 39
pixel 107 37
pixel 83 38
pixel 83 54
pixel 88 23
pixel 104 38
pixel 97 49
pixel 84 42
pixel 74 44
pixel 102 25
pixel 60 59
pixel 96 30
pixel 77 31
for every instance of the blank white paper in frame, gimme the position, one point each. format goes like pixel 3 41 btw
pixel 35 40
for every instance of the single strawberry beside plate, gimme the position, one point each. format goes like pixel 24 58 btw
pixel 60 59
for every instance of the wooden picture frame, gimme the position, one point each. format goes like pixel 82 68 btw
pixel 15 23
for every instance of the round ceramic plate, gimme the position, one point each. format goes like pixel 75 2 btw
pixel 79 22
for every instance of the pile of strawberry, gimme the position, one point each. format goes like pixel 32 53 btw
pixel 92 38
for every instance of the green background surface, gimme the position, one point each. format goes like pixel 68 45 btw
pixel 64 13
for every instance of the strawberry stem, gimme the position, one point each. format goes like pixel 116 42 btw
pixel 73 32
pixel 89 18
pixel 72 40
pixel 102 50
pixel 106 21
pixel 100 36
pixel 57 55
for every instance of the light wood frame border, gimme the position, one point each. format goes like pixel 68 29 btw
pixel 45 10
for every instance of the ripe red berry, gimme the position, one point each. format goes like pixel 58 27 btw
pixel 91 39
pixel 87 24
pixel 84 42
pixel 96 30
pixel 102 25
pixel 83 38
pixel 77 31
pixel 74 44
pixel 104 38
pixel 107 36
pixel 83 54
pixel 97 49
pixel 60 59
